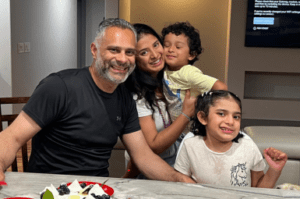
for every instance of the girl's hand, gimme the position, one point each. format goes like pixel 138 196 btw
pixel 189 103
pixel 275 158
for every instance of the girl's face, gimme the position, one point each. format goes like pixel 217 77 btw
pixel 222 123
pixel 149 56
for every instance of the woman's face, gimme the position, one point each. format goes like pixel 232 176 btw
pixel 149 56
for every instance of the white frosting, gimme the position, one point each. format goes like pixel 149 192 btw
pixel 97 190
pixel 75 189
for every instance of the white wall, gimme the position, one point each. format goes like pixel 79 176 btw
pixel 94 15
pixel 51 28
pixel 111 8
pixel 210 17
pixel 96 11
pixel 5 53
pixel 243 59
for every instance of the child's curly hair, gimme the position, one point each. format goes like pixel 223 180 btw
pixel 192 34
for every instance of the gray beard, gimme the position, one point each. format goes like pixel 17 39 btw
pixel 103 71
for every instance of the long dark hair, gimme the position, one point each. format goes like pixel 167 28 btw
pixel 204 102
pixel 141 82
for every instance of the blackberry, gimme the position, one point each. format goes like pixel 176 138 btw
pixel 83 185
pixel 105 196
pixel 64 188
pixel 60 192
pixel 96 196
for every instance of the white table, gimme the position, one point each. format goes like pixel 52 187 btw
pixel 30 184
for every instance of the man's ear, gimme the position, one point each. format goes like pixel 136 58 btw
pixel 192 56
pixel 201 117
pixel 94 50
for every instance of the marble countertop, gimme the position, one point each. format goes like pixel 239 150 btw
pixel 31 184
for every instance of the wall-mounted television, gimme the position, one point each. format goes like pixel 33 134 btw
pixel 273 23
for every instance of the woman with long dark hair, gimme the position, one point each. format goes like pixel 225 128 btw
pixel 146 83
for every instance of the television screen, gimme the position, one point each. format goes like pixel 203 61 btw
pixel 273 23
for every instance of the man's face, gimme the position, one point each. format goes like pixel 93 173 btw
pixel 116 55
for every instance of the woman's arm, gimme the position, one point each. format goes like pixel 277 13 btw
pixel 158 142
pixel 276 160
pixel 151 165
pixel 161 141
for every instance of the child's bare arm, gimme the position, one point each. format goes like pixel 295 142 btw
pixel 218 85
pixel 276 160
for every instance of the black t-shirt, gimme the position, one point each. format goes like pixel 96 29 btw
pixel 80 123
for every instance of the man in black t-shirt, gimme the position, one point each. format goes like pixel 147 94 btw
pixel 75 116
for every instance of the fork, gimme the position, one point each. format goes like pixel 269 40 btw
pixel 104 182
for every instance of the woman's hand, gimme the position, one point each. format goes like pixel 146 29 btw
pixel 188 106
pixel 275 158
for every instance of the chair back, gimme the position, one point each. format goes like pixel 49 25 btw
pixel 9 118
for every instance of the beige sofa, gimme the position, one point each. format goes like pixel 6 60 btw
pixel 286 139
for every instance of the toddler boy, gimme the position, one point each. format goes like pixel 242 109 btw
pixel 182 47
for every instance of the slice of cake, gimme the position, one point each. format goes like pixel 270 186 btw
pixel 76 191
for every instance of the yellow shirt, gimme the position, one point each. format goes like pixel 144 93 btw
pixel 177 82
pixel 188 77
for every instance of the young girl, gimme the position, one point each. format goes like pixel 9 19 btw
pixel 219 154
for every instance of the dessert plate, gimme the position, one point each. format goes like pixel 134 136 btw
pixel 3 183
pixel 106 189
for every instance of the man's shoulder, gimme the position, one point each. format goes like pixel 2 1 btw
pixel 74 77
pixel 67 74
pixel 71 72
